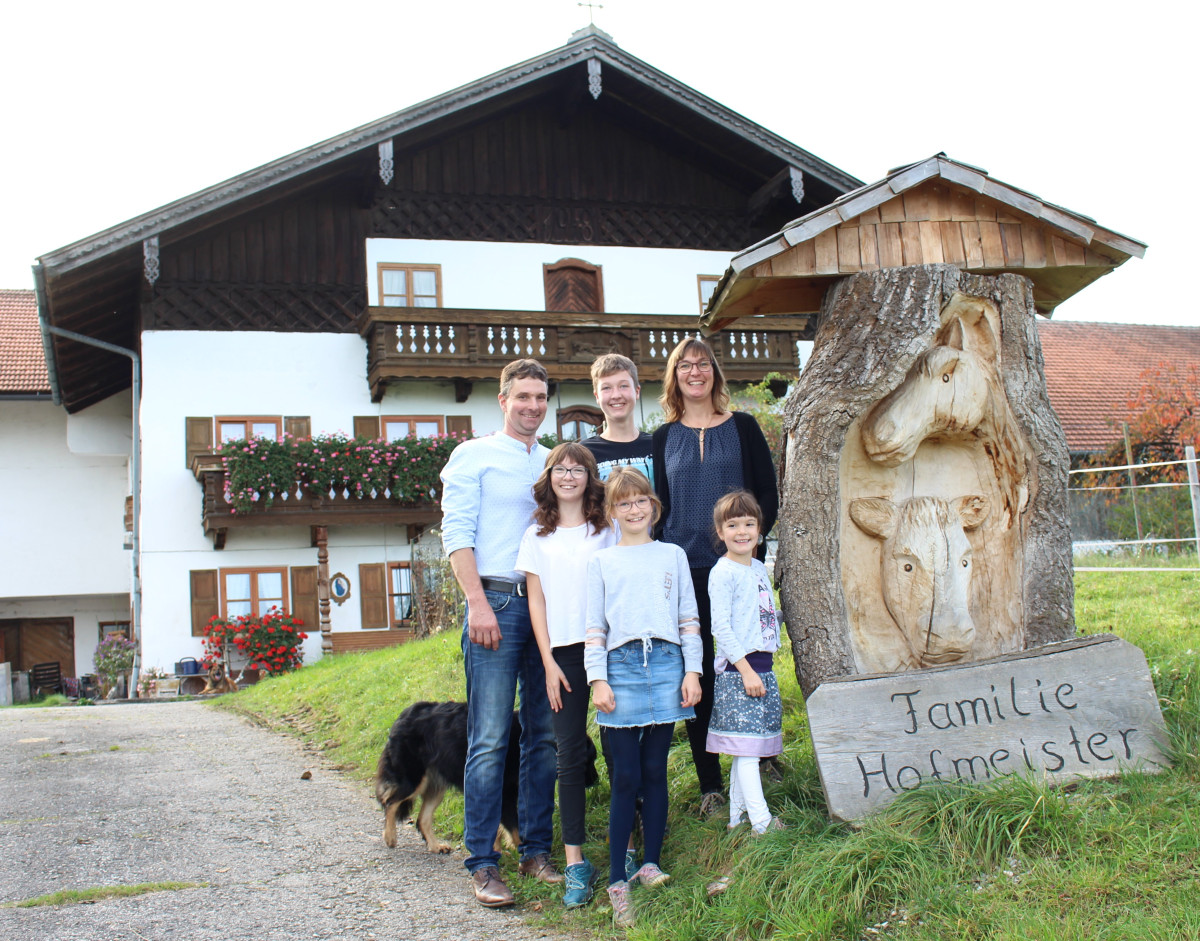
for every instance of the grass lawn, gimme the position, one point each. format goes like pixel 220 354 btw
pixel 1116 859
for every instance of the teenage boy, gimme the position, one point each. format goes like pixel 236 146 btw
pixel 615 385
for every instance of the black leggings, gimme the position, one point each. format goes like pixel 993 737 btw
pixel 708 764
pixel 570 733
pixel 639 768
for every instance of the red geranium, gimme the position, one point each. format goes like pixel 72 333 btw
pixel 272 641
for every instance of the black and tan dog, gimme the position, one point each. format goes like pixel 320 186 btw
pixel 218 681
pixel 426 753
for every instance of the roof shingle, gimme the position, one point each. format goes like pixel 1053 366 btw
pixel 1094 369
pixel 22 359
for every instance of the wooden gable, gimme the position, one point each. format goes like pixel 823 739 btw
pixel 935 212
pixel 585 145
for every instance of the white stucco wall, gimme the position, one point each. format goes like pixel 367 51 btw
pixel 62 510
pixel 63 483
pixel 508 276
pixel 322 376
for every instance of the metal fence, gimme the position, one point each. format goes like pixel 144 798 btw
pixel 1142 518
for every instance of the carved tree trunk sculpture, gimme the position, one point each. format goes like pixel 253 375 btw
pixel 924 491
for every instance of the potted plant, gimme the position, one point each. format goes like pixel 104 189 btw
pixel 271 643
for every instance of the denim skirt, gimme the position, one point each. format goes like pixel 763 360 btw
pixel 646 677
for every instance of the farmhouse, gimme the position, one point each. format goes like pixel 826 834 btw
pixel 372 284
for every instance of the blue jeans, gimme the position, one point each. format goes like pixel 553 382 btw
pixel 493 679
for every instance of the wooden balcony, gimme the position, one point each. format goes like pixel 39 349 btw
pixel 306 509
pixel 467 345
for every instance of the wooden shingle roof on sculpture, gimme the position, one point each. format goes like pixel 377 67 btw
pixel 1094 370
pixel 22 358
pixel 933 212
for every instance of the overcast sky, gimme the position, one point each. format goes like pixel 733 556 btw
pixel 112 109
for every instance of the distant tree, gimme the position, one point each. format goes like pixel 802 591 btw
pixel 1164 419
pixel 760 400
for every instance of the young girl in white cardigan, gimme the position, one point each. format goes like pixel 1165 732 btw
pixel 747 717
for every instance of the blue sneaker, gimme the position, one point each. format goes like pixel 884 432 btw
pixel 631 865
pixel 579 879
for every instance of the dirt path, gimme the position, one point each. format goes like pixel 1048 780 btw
pixel 118 795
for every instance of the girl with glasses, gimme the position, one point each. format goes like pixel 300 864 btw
pixel 643 663
pixel 703 451
pixel 570 526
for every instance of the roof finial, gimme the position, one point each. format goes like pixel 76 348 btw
pixel 591 8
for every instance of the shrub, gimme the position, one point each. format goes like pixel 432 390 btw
pixel 113 659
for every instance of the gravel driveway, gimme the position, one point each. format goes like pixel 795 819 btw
pixel 124 794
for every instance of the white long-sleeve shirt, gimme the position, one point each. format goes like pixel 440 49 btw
pixel 487 501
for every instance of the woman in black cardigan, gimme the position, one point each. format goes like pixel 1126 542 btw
pixel 701 452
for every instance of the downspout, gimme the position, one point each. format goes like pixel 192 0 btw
pixel 136 469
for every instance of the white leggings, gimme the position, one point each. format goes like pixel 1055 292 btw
pixel 746 794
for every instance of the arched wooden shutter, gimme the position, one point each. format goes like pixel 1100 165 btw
pixel 573 284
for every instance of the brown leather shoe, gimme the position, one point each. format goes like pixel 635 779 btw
pixel 540 867
pixel 490 890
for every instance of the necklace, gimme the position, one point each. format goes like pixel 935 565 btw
pixel 700 431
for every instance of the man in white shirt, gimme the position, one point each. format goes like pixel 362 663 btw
pixel 487 503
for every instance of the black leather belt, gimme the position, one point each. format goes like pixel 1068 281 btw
pixel 503 585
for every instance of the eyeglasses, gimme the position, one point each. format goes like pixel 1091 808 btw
pixel 559 470
pixel 686 366
pixel 640 502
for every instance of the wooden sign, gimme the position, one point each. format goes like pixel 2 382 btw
pixel 1082 708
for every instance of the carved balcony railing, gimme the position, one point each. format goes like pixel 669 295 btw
pixel 302 508
pixel 466 345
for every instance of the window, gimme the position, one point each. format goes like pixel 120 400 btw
pixel 410 285
pixel 400 594
pixel 235 428
pixel 707 283
pixel 578 422
pixel 252 591
pixel 114 627
pixel 396 427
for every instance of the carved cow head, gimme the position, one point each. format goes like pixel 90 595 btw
pixel 926 569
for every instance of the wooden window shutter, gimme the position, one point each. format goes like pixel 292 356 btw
pixel 372 594
pixel 575 285
pixel 366 426
pixel 458 423
pixel 298 426
pixel 199 437
pixel 305 603
pixel 206 598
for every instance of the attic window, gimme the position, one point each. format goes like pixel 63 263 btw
pixel 410 285
pixel 573 284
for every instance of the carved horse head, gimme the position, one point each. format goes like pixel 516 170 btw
pixel 926 569
pixel 947 390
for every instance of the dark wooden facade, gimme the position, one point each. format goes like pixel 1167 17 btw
pixel 554 150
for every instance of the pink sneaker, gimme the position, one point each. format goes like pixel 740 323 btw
pixel 650 875
pixel 622 905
